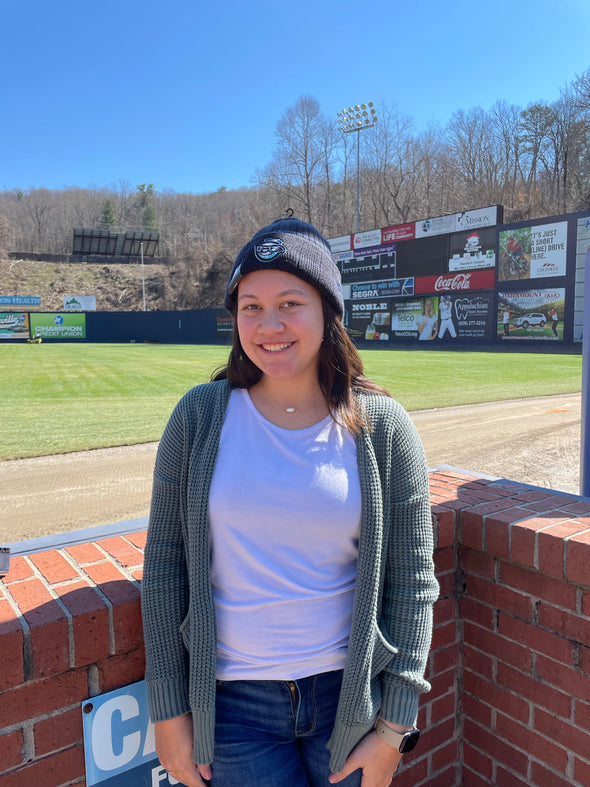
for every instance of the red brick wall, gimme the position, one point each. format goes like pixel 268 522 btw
pixel 509 665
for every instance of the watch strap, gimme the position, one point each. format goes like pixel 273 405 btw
pixel 402 741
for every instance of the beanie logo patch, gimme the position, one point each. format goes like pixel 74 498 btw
pixel 269 249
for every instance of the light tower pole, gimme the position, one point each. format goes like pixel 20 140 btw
pixel 355 119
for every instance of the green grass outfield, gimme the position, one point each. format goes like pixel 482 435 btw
pixel 56 398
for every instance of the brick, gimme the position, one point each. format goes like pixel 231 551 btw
pixel 497 537
pixel 581 507
pixel 544 776
pixel 473 610
pixel 58 732
pixel 535 691
pixel 551 547
pixel 477 563
pixel 445 756
pixel 477 761
pixel 569 625
pixel 443 611
pixel 444 635
pixel 11 749
pixel 577 553
pixel 535 744
pixel 11 647
pixel 507 779
pixel 500 648
pixel 536 639
pixel 138 539
pixel 444 560
pixel 539 585
pixel 551 503
pixel 48 624
pixel 470 779
pixel 39 697
pixel 445 658
pixel 532 495
pixel 523 539
pixel 20 568
pixel 125 599
pixel 581 771
pixel 52 771
pixel 565 678
pixel 90 622
pixel 85 553
pixel 499 597
pixel 472 530
pixel 446 582
pixel 476 710
pixel 443 683
pixel 584 660
pixel 582 715
pixel 411 774
pixel 444 527
pixel 442 708
pixel 478 662
pixel 498 749
pixel 122 550
pixel 117 671
pixel 510 515
pixel 54 567
pixel 562 732
pixel 496 697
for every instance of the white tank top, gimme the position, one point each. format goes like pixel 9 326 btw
pixel 284 510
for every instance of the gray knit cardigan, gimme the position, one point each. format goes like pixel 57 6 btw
pixel 395 586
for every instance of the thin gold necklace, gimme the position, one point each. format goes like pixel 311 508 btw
pixel 290 409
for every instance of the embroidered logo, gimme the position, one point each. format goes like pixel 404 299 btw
pixel 269 249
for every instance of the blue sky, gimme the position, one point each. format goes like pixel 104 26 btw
pixel 187 96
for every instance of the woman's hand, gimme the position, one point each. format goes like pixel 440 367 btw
pixel 378 760
pixel 174 744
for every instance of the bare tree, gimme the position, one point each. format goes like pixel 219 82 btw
pixel 302 160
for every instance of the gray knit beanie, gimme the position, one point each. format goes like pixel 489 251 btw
pixel 295 247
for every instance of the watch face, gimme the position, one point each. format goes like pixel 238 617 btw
pixel 409 741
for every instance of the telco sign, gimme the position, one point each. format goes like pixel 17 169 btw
pixel 119 745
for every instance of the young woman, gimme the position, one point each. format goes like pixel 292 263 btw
pixel 288 580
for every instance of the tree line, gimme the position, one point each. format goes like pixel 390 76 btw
pixel 534 160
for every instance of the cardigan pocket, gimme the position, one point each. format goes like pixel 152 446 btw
pixel 383 652
pixel 185 631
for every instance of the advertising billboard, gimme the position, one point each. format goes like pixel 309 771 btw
pixel 534 252
pixel 70 325
pixel 472 249
pixel 451 282
pixel 415 318
pixel 14 325
pixel 382 289
pixel 21 301
pixel 79 303
pixel 370 320
pixel 466 316
pixel 531 314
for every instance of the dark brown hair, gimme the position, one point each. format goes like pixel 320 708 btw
pixel 340 371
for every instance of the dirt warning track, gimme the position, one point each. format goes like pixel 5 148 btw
pixel 534 441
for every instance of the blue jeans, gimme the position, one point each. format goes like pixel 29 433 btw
pixel 273 733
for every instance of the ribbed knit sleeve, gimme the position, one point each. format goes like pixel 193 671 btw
pixel 165 595
pixel 409 587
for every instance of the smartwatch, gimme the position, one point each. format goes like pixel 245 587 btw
pixel 403 742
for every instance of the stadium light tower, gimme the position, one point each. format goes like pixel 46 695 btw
pixel 355 119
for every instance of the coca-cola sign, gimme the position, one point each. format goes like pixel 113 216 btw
pixel 453 282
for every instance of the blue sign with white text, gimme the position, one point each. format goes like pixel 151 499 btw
pixel 119 745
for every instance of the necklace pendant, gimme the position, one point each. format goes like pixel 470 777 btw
pixel 289 409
